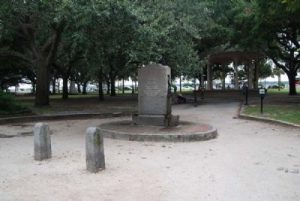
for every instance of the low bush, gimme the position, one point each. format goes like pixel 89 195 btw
pixel 8 105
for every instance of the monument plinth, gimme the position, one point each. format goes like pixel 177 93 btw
pixel 154 98
pixel 154 121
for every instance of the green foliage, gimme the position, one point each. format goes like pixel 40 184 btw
pixel 218 72
pixel 33 30
pixel 10 74
pixel 105 40
pixel 264 70
pixel 176 26
pixel 8 105
pixel 271 28
pixel 44 14
pixel 277 71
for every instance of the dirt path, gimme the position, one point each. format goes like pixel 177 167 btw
pixel 249 161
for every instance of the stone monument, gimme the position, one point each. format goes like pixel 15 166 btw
pixel 154 120
pixel 154 97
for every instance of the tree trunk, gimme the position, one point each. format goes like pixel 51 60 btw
pixel 42 83
pixel 279 81
pixel 84 88
pixel 43 65
pixel 292 83
pixel 33 84
pixel 53 86
pixel 78 88
pixel 123 86
pixel 180 84
pixel 209 77
pixel 113 86
pixel 255 79
pixel 65 93
pixel 108 87
pixel 58 87
pixel 100 80
pixel 251 76
pixel 199 86
pixel 202 81
pixel 132 87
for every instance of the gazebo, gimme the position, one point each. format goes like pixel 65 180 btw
pixel 248 59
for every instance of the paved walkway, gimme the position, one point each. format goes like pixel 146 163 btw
pixel 249 161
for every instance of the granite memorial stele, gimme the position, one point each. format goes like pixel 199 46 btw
pixel 154 97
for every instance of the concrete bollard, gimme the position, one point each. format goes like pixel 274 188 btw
pixel 95 159
pixel 42 142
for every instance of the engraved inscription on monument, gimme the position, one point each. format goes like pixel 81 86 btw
pixel 151 89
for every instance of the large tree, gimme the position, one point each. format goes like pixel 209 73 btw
pixel 73 45
pixel 173 26
pixel 279 25
pixel 33 30
pixel 273 27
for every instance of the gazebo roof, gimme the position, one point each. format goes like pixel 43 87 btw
pixel 226 57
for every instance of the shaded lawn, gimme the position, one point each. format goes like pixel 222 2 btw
pixel 82 103
pixel 289 113
pixel 277 106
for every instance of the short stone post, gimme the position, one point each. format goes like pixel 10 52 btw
pixel 42 142
pixel 95 159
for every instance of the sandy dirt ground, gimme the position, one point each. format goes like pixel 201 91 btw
pixel 249 161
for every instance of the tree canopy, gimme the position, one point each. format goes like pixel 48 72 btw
pixel 105 40
pixel 273 28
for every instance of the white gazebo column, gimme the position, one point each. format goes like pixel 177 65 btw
pixel 223 76
pixel 250 75
pixel 236 77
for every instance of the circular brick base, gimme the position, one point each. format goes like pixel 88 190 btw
pixel 184 132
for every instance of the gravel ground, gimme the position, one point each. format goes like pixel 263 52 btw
pixel 249 161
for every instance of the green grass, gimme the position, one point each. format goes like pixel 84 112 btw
pixel 81 103
pixel 288 113
pixel 275 91
pixel 38 110
pixel 282 91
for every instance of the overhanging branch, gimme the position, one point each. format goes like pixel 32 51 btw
pixel 13 54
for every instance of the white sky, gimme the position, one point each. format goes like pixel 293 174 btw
pixel 284 78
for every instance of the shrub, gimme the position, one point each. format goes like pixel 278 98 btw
pixel 8 105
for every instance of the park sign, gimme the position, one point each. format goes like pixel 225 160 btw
pixel 262 93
